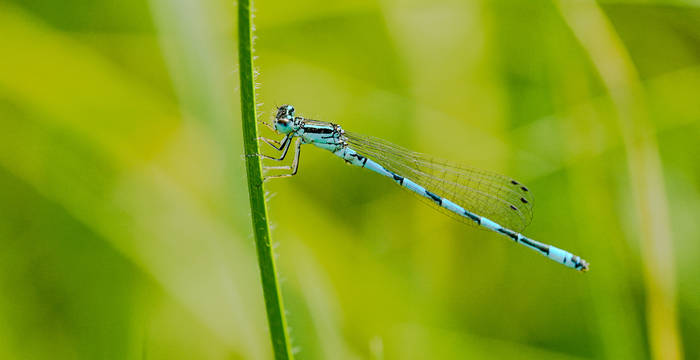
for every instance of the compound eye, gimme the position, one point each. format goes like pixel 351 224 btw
pixel 281 112
pixel 290 110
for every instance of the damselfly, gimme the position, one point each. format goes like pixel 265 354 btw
pixel 485 199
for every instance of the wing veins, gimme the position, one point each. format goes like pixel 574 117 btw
pixel 485 193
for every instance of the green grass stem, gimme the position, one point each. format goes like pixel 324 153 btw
pixel 258 209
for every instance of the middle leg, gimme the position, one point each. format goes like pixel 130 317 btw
pixel 294 167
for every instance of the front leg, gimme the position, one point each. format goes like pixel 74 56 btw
pixel 272 142
pixel 284 146
pixel 294 167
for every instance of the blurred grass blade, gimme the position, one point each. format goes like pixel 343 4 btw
pixel 619 75
pixel 258 209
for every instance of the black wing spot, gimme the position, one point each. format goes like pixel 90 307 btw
pixel 523 200
pixel 513 208
pixel 514 182
pixel 524 188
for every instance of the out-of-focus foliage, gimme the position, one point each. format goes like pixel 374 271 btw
pixel 124 228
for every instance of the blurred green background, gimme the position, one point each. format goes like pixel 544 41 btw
pixel 124 218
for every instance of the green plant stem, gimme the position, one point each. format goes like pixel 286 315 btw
pixel 258 209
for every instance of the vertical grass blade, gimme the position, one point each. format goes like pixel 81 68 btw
pixel 619 75
pixel 258 209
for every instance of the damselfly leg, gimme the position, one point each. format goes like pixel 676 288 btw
pixel 284 146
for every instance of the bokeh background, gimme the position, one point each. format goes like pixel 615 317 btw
pixel 124 218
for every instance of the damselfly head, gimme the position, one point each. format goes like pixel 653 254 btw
pixel 285 111
pixel 284 120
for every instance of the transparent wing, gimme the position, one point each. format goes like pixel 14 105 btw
pixel 497 197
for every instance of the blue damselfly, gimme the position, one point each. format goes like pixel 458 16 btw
pixel 482 198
